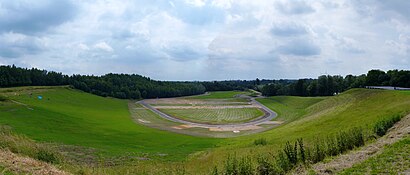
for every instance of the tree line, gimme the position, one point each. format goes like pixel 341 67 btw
pixel 327 85
pixel 123 86
pixel 133 86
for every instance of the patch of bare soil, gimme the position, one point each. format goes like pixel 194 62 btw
pixel 207 107
pixel 25 165
pixel 182 127
pixel 400 130
pixel 235 128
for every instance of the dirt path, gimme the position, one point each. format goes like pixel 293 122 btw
pixel 397 132
pixel 25 165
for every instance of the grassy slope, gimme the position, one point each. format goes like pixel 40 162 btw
pixel 216 116
pixel 394 159
pixel 90 123
pixel 289 108
pixel 77 118
pixel 356 107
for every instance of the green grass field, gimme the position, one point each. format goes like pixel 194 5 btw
pixel 290 108
pixel 394 159
pixel 72 117
pixel 319 118
pixel 215 116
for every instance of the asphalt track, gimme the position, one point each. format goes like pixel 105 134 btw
pixel 269 115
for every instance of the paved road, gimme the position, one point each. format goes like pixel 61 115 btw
pixel 269 115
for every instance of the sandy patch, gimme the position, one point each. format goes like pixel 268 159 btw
pixel 207 107
pixel 182 127
pixel 143 121
pixel 235 128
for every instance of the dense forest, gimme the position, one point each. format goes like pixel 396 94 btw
pixel 327 85
pixel 134 86
pixel 114 85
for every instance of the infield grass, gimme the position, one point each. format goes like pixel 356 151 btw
pixel 215 116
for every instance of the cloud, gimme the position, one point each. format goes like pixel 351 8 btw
pixel 14 45
pixel 34 16
pixel 206 39
pixel 288 29
pixel 398 7
pixel 299 47
pixel 183 53
pixel 103 46
pixel 294 7
pixel 198 12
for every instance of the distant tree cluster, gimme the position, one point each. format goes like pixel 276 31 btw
pixel 327 85
pixel 115 85
pixel 134 86
pixel 11 76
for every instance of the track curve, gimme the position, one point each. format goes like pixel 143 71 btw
pixel 269 115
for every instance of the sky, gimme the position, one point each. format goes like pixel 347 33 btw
pixel 206 39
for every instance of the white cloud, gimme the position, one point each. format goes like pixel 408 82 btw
pixel 207 39
pixel 197 3
pixel 103 46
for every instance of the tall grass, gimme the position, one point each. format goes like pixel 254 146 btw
pixel 298 153
pixel 22 145
pixel 260 141
pixel 381 127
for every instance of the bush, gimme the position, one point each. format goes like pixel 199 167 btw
pixel 381 127
pixel 265 167
pixel 233 166
pixel 261 141
pixel 47 156
pixel 3 98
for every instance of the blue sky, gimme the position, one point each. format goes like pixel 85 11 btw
pixel 206 39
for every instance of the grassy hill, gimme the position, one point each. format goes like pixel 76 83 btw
pixel 312 118
pixel 71 117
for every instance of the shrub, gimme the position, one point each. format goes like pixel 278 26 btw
pixel 291 152
pixel 283 163
pixel 214 171
pixel 231 166
pixel 265 167
pixel 246 166
pixel 260 141
pixel 381 127
pixel 302 152
pixel 3 98
pixel 47 156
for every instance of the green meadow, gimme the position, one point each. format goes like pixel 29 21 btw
pixel 70 117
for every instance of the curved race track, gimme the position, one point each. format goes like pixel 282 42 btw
pixel 269 115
